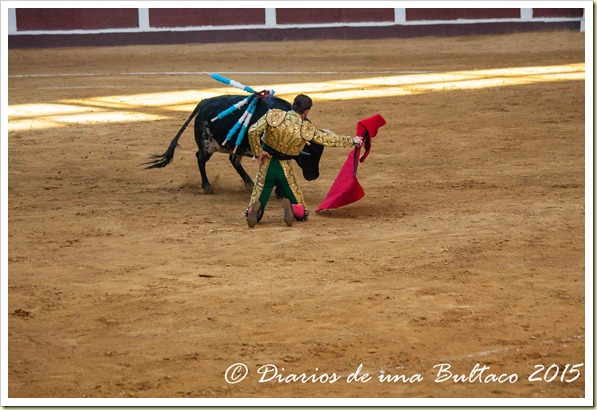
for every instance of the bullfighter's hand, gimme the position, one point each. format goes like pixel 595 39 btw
pixel 262 154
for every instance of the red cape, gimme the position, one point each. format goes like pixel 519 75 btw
pixel 346 189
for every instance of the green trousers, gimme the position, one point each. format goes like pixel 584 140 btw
pixel 273 172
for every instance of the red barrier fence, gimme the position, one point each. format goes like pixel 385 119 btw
pixel 34 27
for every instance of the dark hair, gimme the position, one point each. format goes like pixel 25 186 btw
pixel 302 103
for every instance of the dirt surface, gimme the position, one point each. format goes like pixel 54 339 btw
pixel 467 250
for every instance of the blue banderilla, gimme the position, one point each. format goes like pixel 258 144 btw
pixel 243 121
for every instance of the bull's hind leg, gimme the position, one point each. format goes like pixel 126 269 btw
pixel 235 161
pixel 202 158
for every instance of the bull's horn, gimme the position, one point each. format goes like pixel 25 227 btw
pixel 305 154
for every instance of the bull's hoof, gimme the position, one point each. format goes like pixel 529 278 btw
pixel 247 187
pixel 208 190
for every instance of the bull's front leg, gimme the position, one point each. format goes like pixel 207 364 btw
pixel 235 161
pixel 278 192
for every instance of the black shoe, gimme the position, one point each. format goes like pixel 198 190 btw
pixel 252 216
pixel 288 214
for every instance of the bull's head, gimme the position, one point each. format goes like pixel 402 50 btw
pixel 308 160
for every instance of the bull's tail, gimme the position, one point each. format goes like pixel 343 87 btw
pixel 161 160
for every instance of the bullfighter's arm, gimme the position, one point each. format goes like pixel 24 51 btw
pixel 329 139
pixel 255 132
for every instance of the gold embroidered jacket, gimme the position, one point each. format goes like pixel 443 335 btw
pixel 287 133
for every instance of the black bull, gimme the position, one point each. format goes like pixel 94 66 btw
pixel 210 137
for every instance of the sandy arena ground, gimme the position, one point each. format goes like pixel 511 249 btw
pixel 467 249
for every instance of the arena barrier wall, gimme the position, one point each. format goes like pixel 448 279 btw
pixel 58 27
